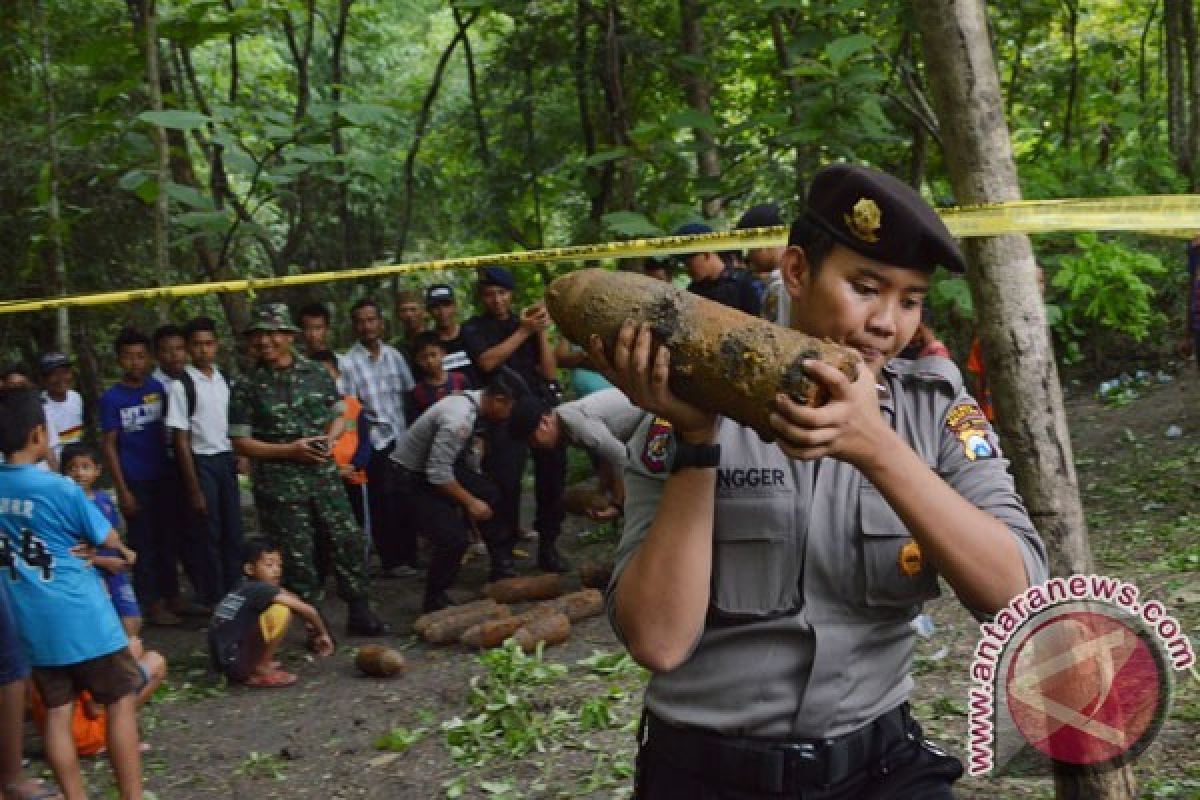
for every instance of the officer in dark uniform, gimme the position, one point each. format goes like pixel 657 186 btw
pixel 770 587
pixel 714 276
pixel 501 337
pixel 440 478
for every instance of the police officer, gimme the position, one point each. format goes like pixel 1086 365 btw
pixel 440 480
pixel 600 423
pixel 714 276
pixel 284 413
pixel 770 587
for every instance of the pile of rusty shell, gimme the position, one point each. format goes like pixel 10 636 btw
pixel 550 629
pixel 447 625
pixel 722 360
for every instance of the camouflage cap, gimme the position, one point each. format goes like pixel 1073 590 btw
pixel 271 317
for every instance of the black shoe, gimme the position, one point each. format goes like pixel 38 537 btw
pixel 362 621
pixel 550 560
pixel 437 601
pixel 501 569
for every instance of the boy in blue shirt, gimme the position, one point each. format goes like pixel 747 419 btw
pixel 134 443
pixel 67 625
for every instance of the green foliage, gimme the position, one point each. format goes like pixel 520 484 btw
pixel 261 765
pixel 1107 289
pixel 398 740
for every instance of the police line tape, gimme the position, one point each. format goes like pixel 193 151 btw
pixel 1175 216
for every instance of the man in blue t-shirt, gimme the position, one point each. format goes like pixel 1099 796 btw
pixel 132 419
pixel 66 623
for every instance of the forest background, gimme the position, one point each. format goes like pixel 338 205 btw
pixel 152 143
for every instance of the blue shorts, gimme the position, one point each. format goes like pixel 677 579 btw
pixel 120 591
pixel 14 666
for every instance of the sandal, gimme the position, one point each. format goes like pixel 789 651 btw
pixel 32 789
pixel 275 679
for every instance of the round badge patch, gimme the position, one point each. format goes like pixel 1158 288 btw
pixel 910 560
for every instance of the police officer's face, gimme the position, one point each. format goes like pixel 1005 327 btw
pixel 856 301
pixel 701 266
pixel 545 435
pixel 368 325
pixel 497 300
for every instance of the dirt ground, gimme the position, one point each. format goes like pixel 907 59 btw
pixel 537 730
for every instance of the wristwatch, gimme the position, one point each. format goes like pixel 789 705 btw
pixel 695 455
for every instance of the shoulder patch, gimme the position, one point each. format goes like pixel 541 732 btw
pixel 967 422
pixel 658 440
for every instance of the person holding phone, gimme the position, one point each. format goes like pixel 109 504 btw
pixel 284 413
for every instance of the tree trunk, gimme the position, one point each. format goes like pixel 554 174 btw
pixel 346 251
pixel 410 161
pixel 699 96
pixel 781 32
pixel 1176 82
pixel 618 112
pixel 1193 93
pixel 1012 323
pixel 1072 8
pixel 1142 50
pixel 597 181
pixel 162 220
pixel 58 272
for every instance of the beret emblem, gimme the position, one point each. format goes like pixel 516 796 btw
pixel 864 220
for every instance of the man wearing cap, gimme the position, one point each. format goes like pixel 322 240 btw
pixel 764 262
pixel 499 338
pixel 600 423
pixel 443 308
pixel 378 375
pixel 769 586
pixel 714 277
pixel 439 466
pixel 64 406
pixel 285 413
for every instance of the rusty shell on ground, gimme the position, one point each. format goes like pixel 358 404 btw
pixel 552 628
pixel 425 620
pixel 577 605
pixel 525 589
pixel 596 574
pixel 493 632
pixel 448 630
pixel 379 661
pixel 722 360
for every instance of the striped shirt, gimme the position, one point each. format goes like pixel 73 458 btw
pixel 380 384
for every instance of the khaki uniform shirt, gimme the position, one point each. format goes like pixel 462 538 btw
pixel 815 578
pixel 601 423
pixel 435 441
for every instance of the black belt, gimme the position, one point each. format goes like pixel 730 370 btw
pixel 785 766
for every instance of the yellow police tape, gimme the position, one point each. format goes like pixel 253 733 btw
pixel 1163 215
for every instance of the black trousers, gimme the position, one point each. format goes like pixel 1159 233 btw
pixel 915 770
pixel 219 532
pixel 391 522
pixel 505 464
pixel 447 526
pixel 151 537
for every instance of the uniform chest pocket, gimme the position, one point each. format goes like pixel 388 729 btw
pixel 896 573
pixel 756 558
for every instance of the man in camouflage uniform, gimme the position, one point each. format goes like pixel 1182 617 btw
pixel 284 413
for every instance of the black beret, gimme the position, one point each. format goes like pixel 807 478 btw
pixel 497 276
pixel 526 413
pixel 881 217
pixel 764 216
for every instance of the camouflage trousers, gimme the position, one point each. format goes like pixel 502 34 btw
pixel 306 527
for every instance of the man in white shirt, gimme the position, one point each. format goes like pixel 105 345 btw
pixel 198 422
pixel 63 405
pixel 377 374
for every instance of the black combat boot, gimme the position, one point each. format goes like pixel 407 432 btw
pixel 549 559
pixel 362 621
pixel 436 602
